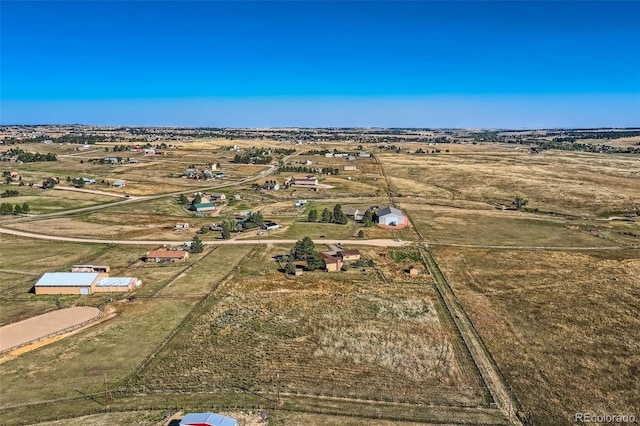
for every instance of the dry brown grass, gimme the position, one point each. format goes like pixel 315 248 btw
pixel 326 334
pixel 563 327
pixel 573 183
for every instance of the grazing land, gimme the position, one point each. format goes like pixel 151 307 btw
pixel 538 240
pixel 554 321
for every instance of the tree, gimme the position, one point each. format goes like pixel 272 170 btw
pixel 196 245
pixel 17 209
pixel 6 209
pixel 182 199
pixel 520 202
pixel 48 183
pixel 78 182
pixel 361 234
pixel 313 215
pixel 338 216
pixel 25 208
pixel 367 219
pixel 304 249
pixel 327 216
pixel 226 231
pixel 197 199
pixel 290 268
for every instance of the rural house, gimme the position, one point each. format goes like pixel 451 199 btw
pixel 332 263
pixel 167 256
pixel 217 196
pixel 307 180
pixel 349 255
pixel 353 213
pixel 119 184
pixel 390 216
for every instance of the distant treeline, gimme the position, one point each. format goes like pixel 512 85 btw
pixel 29 157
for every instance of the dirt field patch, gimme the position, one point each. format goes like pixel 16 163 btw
pixel 44 325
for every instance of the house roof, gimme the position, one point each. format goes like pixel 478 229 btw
pixel 208 419
pixel 353 252
pixel 67 279
pixel 114 282
pixel 390 210
pixel 328 258
pixel 118 182
pixel 350 211
pixel 167 254
pixel 203 205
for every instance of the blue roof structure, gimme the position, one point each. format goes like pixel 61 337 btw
pixel 67 279
pixel 208 419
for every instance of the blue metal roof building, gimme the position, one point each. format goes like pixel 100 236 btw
pixel 207 419
pixel 66 283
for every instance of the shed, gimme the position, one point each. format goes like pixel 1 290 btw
pixel 349 168
pixel 67 282
pixel 90 268
pixel 207 419
pixel 413 271
pixel 119 183
pixel 390 216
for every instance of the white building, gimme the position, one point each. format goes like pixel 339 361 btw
pixel 390 216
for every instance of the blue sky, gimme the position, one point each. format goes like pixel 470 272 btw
pixel 321 63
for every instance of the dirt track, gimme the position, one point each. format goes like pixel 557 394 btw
pixel 43 325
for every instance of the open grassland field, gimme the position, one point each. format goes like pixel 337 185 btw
pixel 511 228
pixel 563 327
pixel 567 183
pixel 202 277
pixel 48 201
pixel 322 334
pixel 78 363
pixel 25 256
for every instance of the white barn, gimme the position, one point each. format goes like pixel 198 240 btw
pixel 390 216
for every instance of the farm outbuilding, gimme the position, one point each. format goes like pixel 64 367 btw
pixel 203 207
pixel 116 284
pixel 390 216
pixel 67 282
pixel 207 419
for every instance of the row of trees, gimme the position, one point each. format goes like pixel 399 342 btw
pixel 30 157
pixel 304 169
pixel 247 158
pixel 8 208
pixel 328 216
pixel 9 193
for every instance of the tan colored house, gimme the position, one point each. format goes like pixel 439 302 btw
pixel 167 256
pixel 349 255
pixel 332 263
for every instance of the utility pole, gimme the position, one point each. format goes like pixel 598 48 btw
pixel 278 387
pixel 106 393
